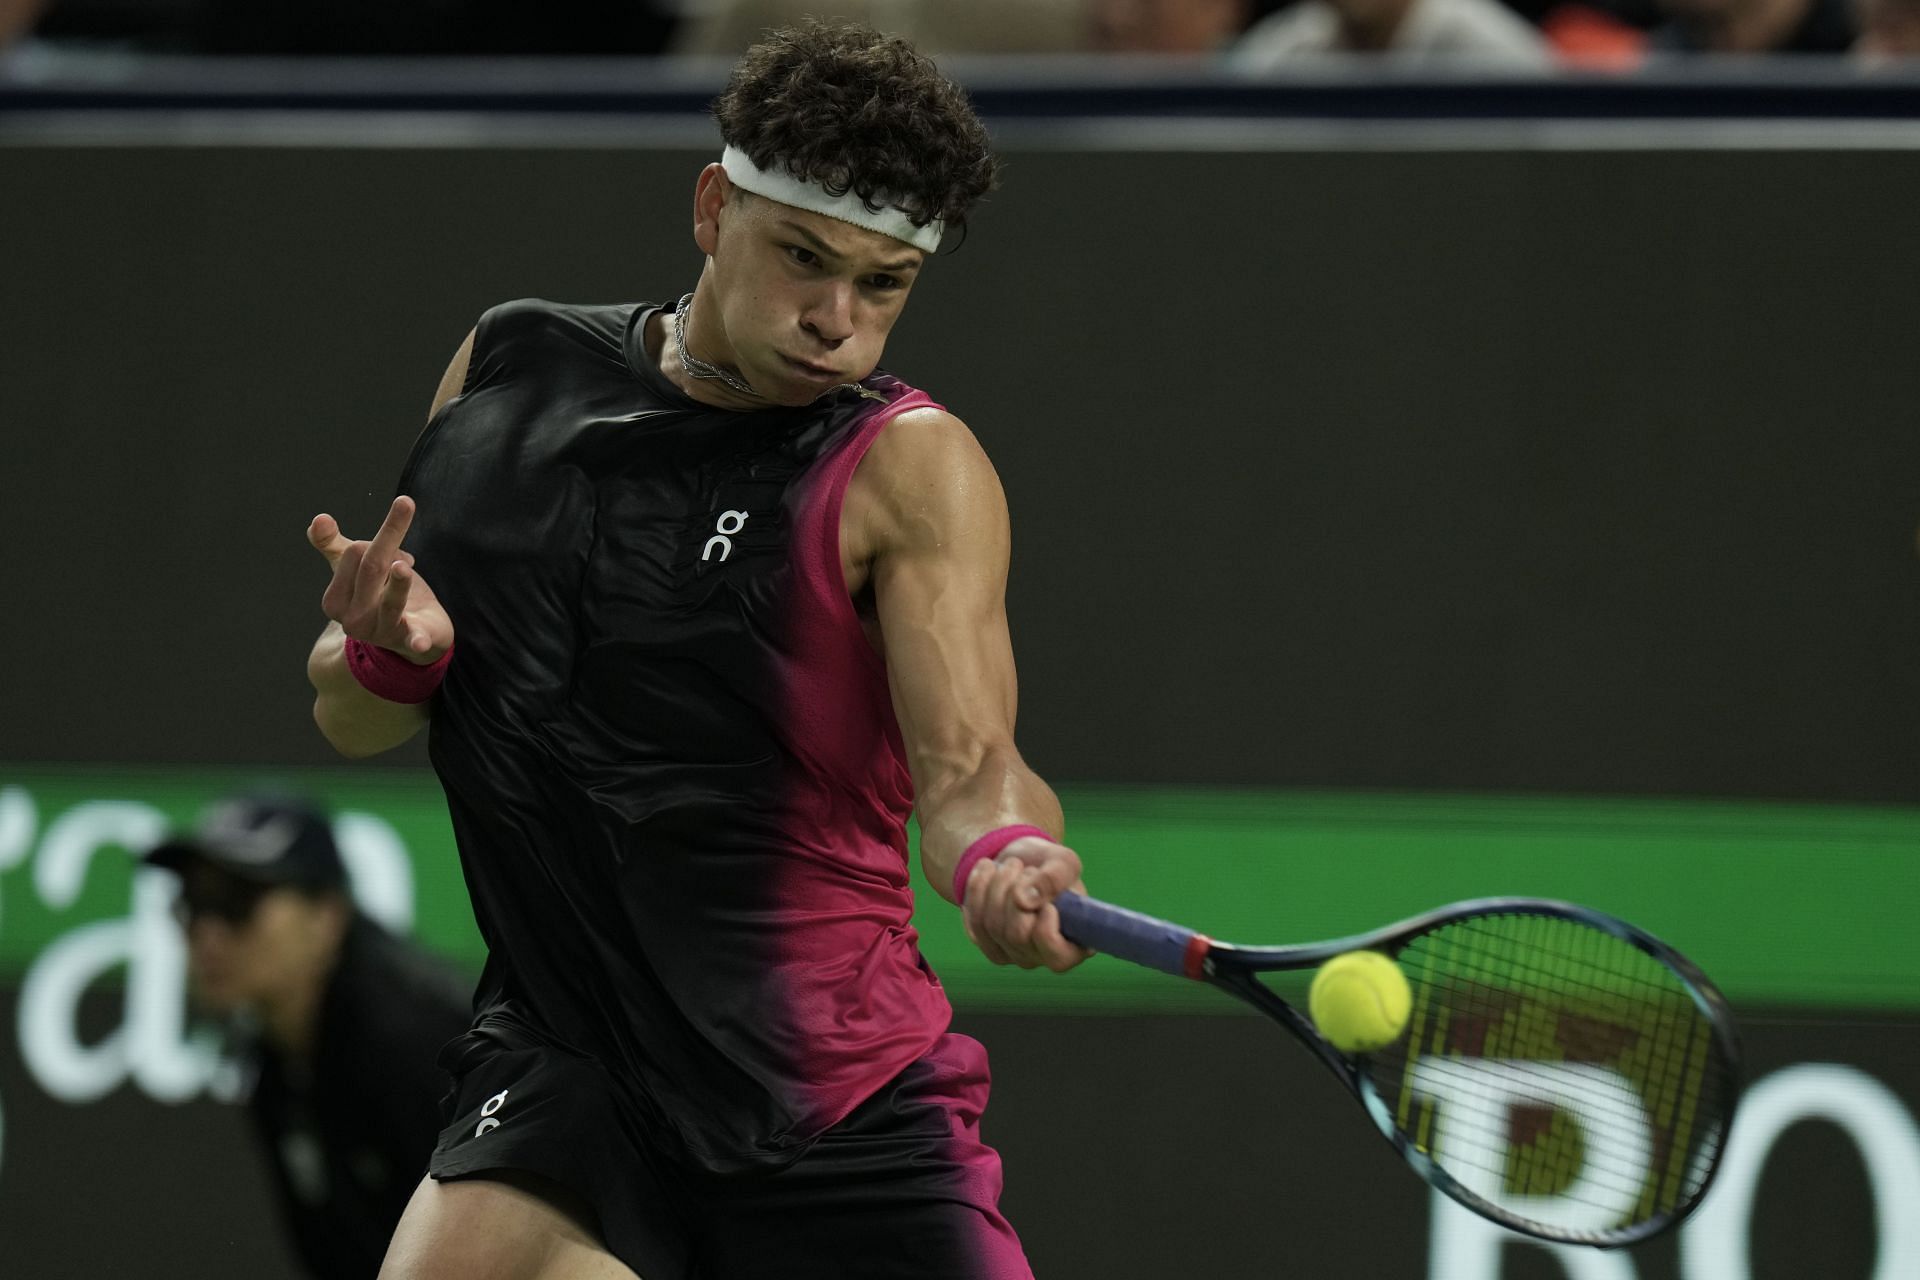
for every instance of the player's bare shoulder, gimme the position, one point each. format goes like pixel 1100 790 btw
pixel 924 488
pixel 455 377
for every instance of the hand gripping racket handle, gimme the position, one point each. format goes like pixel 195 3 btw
pixel 1157 944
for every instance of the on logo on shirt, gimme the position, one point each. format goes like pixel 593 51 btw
pixel 729 524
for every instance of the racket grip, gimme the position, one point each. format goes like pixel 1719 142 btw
pixel 1116 931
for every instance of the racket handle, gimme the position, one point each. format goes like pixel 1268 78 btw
pixel 1116 931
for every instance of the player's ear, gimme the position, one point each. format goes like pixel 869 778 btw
pixel 710 196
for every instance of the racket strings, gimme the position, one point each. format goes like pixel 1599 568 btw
pixel 1554 1068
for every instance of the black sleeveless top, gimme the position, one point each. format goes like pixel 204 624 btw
pixel 668 748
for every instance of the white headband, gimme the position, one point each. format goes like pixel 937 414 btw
pixel 811 196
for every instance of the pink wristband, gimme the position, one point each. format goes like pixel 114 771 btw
pixel 986 847
pixel 386 674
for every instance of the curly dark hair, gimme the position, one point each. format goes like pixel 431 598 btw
pixel 853 110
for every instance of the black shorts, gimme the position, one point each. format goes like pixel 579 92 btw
pixel 903 1187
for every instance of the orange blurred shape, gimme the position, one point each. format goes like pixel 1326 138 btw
pixel 1585 37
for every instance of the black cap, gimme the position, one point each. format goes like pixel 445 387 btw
pixel 269 839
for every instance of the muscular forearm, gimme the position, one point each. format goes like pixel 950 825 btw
pixel 961 804
pixel 356 722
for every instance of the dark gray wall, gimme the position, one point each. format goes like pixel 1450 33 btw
pixel 1580 471
pixel 1534 470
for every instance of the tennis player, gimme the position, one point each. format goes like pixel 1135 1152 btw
pixel 729 601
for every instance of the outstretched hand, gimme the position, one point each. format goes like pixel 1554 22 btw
pixel 375 595
pixel 1009 911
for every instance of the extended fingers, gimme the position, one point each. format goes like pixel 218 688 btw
pixel 386 542
pixel 337 601
pixel 391 615
pixel 375 576
pixel 323 532
pixel 369 599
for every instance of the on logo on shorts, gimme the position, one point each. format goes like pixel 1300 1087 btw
pixel 489 1117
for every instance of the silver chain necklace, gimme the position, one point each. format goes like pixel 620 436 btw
pixel 697 367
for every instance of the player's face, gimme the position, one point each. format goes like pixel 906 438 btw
pixel 805 302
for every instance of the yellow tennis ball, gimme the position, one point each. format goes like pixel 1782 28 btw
pixel 1360 1001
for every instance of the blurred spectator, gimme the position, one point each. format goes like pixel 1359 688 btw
pixel 357 27
pixel 1472 32
pixel 1889 29
pixel 1591 38
pixel 16 17
pixel 1413 31
pixel 936 27
pixel 338 1023
pixel 1755 26
pixel 1171 26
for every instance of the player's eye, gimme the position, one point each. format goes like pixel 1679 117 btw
pixel 884 283
pixel 805 257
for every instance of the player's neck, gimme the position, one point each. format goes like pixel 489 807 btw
pixel 665 354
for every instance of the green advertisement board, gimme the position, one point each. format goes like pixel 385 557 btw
pixel 1785 904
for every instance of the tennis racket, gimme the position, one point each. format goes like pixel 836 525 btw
pixel 1562 1072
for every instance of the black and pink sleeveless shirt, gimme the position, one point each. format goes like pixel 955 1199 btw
pixel 668 747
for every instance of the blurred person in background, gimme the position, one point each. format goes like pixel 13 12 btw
pixel 17 18
pixel 1474 33
pixel 936 27
pixel 335 1022
pixel 1889 30
pixel 1173 26
pixel 1754 26
pixel 359 28
pixel 1594 37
